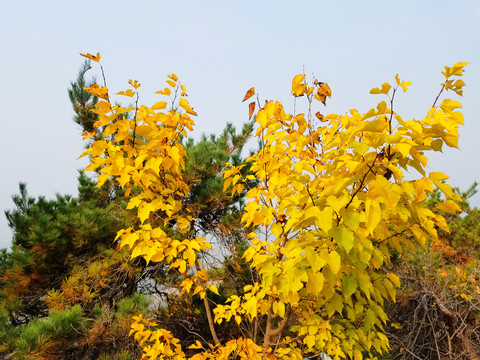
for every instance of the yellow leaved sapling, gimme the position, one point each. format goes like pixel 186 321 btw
pixel 330 205
pixel 333 201
pixel 140 147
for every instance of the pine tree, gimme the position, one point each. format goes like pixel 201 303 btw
pixel 82 101
pixel 64 265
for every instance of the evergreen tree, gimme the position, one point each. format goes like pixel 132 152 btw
pixel 65 268
pixel 82 101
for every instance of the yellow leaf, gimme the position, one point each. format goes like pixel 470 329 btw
pixel 135 83
pixel 403 149
pixel 185 105
pixel 102 179
pixel 334 304
pixel 351 219
pixel 298 88
pixel 174 154
pixel 456 69
pixel 92 57
pixel 403 84
pixel 349 285
pixel 191 257
pixel 159 105
pixel 98 147
pixel 261 118
pixel 134 202
pixel 449 206
pixel 202 274
pixel 98 91
pixel 165 91
pixel 144 210
pixel 279 308
pixel 323 219
pixel 337 203
pixel 364 283
pixel 455 86
pixel 334 261
pixel 315 282
pixel 184 90
pixel 198 289
pixel 171 83
pixel 450 105
pixel 373 214
pixel 314 259
pixel 384 90
pixel 309 340
pixel 213 289
pixel 343 236
pixel 419 234
pixel 186 285
pixel 377 125
pixel 173 77
pixel 394 279
pixel 137 251
pixel 382 190
pixel 390 289
pixel 197 345
pixel 438 179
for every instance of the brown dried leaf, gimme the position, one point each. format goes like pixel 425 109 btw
pixel 249 94
pixel 251 109
pixel 320 116
pixel 323 92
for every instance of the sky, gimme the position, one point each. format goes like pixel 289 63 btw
pixel 219 49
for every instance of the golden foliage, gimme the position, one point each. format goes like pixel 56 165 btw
pixel 331 196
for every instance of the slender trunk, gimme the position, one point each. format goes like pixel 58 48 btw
pixel 210 321
pixel 211 324
pixel 270 331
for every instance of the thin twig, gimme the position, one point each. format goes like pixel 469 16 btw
pixel 441 90
pixel 135 120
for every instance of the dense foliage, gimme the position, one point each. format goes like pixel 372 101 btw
pixel 64 275
pixel 68 291
pixel 187 249
pixel 330 204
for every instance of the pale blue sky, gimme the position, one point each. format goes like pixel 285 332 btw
pixel 219 49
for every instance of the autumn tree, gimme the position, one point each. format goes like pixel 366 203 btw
pixel 329 204
pixel 68 291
